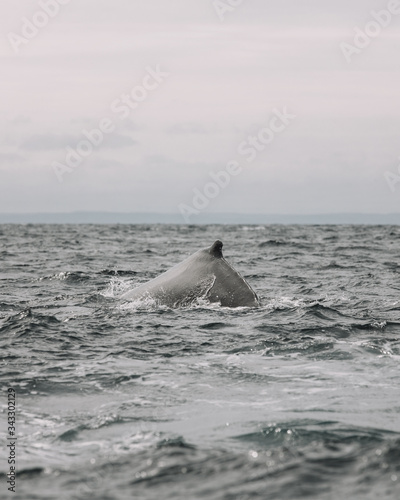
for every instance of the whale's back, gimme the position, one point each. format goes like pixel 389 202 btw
pixel 205 274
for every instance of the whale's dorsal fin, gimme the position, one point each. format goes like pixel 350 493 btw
pixel 216 249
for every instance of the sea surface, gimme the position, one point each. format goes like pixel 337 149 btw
pixel 299 398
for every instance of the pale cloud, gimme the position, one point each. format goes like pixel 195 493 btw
pixel 46 142
pixel 189 128
pixel 224 81
pixel 7 159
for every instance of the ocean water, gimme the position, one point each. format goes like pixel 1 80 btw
pixel 299 398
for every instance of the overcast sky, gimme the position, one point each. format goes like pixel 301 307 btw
pixel 213 79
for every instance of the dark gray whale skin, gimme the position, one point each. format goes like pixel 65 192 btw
pixel 205 274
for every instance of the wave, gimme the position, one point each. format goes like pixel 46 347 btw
pixel 288 461
pixel 118 272
pixel 69 276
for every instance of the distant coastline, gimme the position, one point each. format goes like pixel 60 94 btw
pixel 204 218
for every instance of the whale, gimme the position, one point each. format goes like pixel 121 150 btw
pixel 203 275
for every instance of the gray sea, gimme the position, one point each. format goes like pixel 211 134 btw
pixel 297 399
